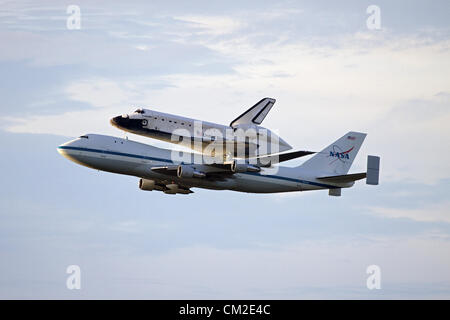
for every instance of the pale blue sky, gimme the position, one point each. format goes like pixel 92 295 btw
pixel 211 61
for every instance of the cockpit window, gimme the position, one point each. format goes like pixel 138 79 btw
pixel 84 137
pixel 139 111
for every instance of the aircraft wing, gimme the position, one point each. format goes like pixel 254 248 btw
pixel 267 161
pixel 167 170
pixel 207 169
pixel 220 170
pixel 344 178
pixel 255 114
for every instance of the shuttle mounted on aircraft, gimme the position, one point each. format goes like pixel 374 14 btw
pixel 244 133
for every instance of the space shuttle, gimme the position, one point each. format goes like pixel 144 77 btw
pixel 244 137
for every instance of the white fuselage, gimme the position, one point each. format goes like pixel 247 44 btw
pixel 198 135
pixel 127 157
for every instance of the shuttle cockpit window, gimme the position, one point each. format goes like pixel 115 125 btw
pixel 84 137
pixel 139 111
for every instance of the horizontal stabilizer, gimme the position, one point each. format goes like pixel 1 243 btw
pixel 267 161
pixel 344 178
pixel 255 114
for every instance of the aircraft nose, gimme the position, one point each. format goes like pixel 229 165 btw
pixel 68 144
pixel 126 123
pixel 120 121
pixel 115 121
pixel 67 148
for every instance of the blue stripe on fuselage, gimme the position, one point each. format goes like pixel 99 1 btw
pixel 169 161
pixel 114 153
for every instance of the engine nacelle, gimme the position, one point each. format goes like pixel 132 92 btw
pixel 184 171
pixel 173 188
pixel 237 167
pixel 147 185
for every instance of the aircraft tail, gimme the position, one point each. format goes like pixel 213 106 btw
pixel 255 114
pixel 337 158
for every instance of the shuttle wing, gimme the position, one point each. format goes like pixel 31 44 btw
pixel 255 114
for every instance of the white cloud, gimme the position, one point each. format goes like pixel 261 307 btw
pixel 332 269
pixel 283 272
pixel 100 93
pixel 433 213
pixel 211 25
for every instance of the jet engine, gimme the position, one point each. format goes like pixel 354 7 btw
pixel 184 171
pixel 173 188
pixel 147 185
pixel 237 167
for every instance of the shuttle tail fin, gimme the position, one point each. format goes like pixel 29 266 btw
pixel 255 114
pixel 337 158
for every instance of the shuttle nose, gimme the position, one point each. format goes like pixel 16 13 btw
pixel 115 121
pixel 126 123
pixel 120 121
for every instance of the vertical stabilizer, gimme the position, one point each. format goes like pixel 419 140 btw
pixel 337 158
pixel 255 114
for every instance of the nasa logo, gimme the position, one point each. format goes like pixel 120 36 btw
pixel 339 154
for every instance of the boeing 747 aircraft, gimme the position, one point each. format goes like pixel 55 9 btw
pixel 164 170
pixel 243 133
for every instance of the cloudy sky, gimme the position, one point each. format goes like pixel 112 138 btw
pixel 330 74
